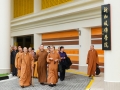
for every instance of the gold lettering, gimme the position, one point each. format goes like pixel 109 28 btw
pixel 106 44
pixel 106 37
pixel 105 16
pixel 106 23
pixel 106 9
pixel 106 30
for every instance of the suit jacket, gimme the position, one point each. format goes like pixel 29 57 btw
pixel 13 55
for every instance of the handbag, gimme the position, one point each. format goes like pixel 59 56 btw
pixel 97 69
pixel 60 67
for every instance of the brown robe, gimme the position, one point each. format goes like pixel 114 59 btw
pixel 53 68
pixel 26 69
pixel 18 63
pixel 42 66
pixel 92 60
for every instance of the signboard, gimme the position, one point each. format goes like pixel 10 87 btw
pixel 106 27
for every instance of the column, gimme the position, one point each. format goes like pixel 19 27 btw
pixel 37 41
pixel 37 6
pixel 5 16
pixel 112 57
pixel 84 42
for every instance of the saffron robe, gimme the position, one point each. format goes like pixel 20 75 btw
pixel 18 62
pixel 26 69
pixel 92 60
pixel 53 68
pixel 42 66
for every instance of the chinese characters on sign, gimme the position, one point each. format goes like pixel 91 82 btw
pixel 106 27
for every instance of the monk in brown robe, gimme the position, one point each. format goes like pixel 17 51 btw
pixel 92 60
pixel 53 59
pixel 42 65
pixel 27 66
pixel 18 62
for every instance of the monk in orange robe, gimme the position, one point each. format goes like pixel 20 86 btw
pixel 27 66
pixel 53 59
pixel 42 65
pixel 18 62
pixel 92 60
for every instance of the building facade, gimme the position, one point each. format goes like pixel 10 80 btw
pixel 74 24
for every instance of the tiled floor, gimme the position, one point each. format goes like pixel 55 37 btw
pixel 76 82
pixel 98 83
pixel 72 82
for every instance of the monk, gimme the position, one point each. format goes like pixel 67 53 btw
pixel 30 51
pixel 18 62
pixel 48 49
pixel 27 66
pixel 42 65
pixel 92 60
pixel 53 59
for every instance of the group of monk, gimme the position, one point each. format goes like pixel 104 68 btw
pixel 24 63
pixel 25 66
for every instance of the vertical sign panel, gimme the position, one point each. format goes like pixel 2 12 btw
pixel 106 27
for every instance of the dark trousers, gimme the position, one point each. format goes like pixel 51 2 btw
pixel 14 70
pixel 62 74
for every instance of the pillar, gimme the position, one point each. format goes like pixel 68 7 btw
pixel 84 43
pixel 5 16
pixel 37 41
pixel 37 6
pixel 112 57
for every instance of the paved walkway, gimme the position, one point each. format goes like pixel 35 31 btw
pixel 72 82
pixel 98 83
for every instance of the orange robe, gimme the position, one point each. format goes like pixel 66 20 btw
pixel 26 69
pixel 18 63
pixel 53 68
pixel 42 66
pixel 92 60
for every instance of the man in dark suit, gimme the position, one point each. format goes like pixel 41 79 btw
pixel 13 55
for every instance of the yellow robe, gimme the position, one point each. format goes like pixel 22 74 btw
pixel 26 69
pixel 18 63
pixel 35 69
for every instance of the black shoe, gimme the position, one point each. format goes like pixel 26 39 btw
pixel 54 84
pixel 22 86
pixel 61 79
pixel 42 83
pixel 89 75
pixel 58 76
pixel 51 85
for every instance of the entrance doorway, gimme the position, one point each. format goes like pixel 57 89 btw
pixel 24 41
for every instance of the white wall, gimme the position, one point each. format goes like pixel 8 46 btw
pixel 85 42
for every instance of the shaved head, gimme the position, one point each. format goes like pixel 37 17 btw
pixel 91 47
pixel 25 49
